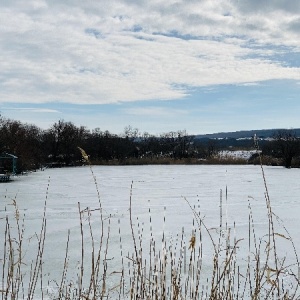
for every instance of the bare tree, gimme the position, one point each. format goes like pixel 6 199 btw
pixel 287 146
pixel 62 139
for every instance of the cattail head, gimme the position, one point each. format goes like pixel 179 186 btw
pixel 192 242
pixel 83 154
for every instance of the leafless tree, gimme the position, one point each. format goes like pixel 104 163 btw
pixel 287 146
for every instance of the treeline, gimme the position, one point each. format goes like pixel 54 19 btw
pixel 283 149
pixel 58 146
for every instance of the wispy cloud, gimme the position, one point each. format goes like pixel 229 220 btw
pixel 31 109
pixel 125 50
pixel 155 111
pixel 250 84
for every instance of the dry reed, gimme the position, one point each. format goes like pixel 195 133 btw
pixel 169 269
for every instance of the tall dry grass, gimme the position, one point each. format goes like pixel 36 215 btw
pixel 164 269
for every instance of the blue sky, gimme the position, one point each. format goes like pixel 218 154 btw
pixel 205 66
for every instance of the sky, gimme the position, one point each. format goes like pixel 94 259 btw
pixel 203 66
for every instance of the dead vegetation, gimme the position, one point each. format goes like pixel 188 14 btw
pixel 165 269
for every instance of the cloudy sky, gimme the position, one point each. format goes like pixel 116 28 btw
pixel 158 65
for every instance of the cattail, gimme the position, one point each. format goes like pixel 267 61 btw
pixel 84 155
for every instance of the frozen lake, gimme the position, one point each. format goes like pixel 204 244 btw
pixel 162 190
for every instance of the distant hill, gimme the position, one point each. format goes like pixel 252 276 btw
pixel 262 133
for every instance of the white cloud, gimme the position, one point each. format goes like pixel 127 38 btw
pixel 87 52
pixel 249 84
pixel 32 109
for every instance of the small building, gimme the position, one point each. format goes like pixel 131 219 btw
pixel 8 166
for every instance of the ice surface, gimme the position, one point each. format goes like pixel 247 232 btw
pixel 160 189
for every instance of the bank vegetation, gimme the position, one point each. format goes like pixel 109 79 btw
pixel 57 147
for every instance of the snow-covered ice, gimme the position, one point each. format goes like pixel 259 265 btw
pixel 160 189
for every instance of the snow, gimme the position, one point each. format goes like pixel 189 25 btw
pixel 237 154
pixel 161 189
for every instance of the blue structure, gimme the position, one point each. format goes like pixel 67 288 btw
pixel 14 161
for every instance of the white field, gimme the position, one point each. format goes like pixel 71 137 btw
pixel 163 190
